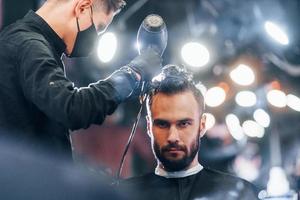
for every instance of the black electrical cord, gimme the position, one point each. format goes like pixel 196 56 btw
pixel 143 97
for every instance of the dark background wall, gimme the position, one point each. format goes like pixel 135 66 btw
pixel 13 10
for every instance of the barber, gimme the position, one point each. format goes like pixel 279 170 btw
pixel 38 103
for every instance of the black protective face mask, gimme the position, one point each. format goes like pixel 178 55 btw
pixel 85 42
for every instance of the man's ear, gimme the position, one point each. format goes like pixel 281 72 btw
pixel 202 125
pixel 82 6
pixel 148 126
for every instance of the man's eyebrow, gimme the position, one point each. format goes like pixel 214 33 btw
pixel 160 121
pixel 186 120
pixel 166 121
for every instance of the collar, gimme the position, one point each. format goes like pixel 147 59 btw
pixel 178 174
pixel 52 37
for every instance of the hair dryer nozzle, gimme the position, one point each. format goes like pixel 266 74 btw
pixel 154 23
pixel 152 34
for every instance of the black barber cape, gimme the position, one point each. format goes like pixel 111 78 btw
pixel 205 185
pixel 38 104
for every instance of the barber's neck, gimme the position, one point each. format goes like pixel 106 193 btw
pixel 60 18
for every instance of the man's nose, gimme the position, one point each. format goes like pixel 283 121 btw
pixel 173 135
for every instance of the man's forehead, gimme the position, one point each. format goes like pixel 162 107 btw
pixel 162 99
pixel 174 106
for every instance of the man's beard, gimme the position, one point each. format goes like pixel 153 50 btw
pixel 179 164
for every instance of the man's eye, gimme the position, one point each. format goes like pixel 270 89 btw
pixel 161 124
pixel 184 124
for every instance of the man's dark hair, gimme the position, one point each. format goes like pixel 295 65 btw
pixel 115 5
pixel 172 80
pixel 110 5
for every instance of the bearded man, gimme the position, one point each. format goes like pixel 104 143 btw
pixel 175 124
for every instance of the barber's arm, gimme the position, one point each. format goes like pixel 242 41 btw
pixel 45 85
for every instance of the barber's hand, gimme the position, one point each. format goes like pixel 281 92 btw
pixel 147 64
pixel 125 82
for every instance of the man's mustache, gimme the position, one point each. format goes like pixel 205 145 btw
pixel 174 146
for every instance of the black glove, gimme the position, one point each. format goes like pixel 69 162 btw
pixel 125 82
pixel 147 64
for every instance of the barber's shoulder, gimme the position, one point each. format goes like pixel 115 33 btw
pixel 19 34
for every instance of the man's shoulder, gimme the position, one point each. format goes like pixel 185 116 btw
pixel 20 33
pixel 228 181
pixel 140 179
pixel 206 173
pixel 208 182
pixel 217 173
pixel 220 176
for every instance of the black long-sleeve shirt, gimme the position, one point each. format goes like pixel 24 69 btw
pixel 38 104
pixel 206 184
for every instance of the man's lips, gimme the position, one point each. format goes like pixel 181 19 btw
pixel 174 150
